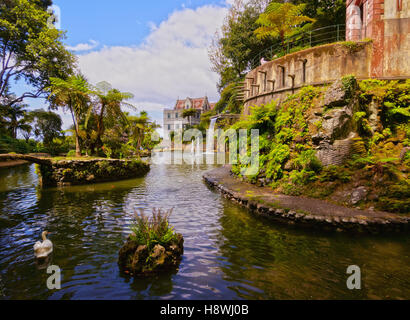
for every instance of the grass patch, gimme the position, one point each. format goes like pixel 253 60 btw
pixel 153 230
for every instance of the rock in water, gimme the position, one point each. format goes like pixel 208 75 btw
pixel 139 260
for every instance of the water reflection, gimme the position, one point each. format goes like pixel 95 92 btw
pixel 229 254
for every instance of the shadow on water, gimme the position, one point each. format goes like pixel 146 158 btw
pixel 283 262
pixel 228 253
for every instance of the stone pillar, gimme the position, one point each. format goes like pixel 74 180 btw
pixel 364 19
pixel 353 21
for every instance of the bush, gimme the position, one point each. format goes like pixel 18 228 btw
pixel 307 161
pixel 334 173
pixel 71 153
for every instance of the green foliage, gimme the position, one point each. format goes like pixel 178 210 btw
pixel 281 20
pixel 189 112
pixel 392 96
pixel 71 153
pixel 153 230
pixel 47 126
pixel 353 46
pixel 9 145
pixel 363 125
pixel 275 160
pixel 325 12
pixel 37 50
pixel 302 177
pixel 396 198
pixel 288 161
pixel 307 160
pixel 72 94
pixel 229 101
pixel 350 87
pixel 283 133
pixel 235 45
pixel 335 173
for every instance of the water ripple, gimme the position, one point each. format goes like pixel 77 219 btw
pixel 229 254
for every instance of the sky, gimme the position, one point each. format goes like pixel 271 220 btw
pixel 157 50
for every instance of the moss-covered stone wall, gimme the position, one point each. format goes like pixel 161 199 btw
pixel 75 172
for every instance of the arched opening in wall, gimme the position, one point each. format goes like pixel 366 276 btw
pixel 399 5
pixel 304 62
pixel 360 4
pixel 282 76
pixel 361 8
pixel 249 80
pixel 264 80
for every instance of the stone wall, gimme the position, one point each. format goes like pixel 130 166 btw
pixel 75 172
pixel 314 66
pixel 396 46
pixel 387 23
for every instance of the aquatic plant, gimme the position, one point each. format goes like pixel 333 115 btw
pixel 153 230
pixel 153 245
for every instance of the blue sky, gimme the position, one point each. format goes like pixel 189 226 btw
pixel 123 22
pixel 156 50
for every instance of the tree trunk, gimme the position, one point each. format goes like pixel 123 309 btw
pixel 77 141
pixel 100 128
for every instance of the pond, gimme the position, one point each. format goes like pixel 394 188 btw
pixel 229 253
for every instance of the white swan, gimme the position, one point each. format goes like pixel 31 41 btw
pixel 43 249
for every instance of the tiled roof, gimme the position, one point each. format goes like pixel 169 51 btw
pixel 180 104
pixel 197 103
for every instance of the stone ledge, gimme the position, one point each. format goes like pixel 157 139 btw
pixel 77 172
pixel 304 212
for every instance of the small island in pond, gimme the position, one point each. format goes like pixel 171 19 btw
pixel 152 247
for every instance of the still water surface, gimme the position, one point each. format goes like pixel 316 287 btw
pixel 229 254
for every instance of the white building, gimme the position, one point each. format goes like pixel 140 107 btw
pixel 174 120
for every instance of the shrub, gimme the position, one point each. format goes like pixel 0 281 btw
pixel 307 161
pixel 71 153
pixel 335 173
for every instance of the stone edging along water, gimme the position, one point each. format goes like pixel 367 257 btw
pixel 300 211
pixel 75 172
pixel 67 172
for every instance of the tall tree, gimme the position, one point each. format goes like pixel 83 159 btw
pixel 325 12
pixel 141 130
pixel 47 126
pixel 30 50
pixel 282 20
pixel 15 118
pixel 109 106
pixel 235 45
pixel 72 94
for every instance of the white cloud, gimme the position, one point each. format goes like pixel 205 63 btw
pixel 172 62
pixel 84 46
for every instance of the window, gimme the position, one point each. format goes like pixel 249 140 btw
pixel 177 126
pixel 304 61
pixel 169 127
pixel 282 76
pixel 169 116
pixel 399 5
pixel 361 7
pixel 176 115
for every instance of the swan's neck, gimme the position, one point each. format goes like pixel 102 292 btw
pixel 43 235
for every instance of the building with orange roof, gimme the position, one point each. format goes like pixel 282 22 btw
pixel 174 120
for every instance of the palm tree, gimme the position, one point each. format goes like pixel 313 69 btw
pixel 14 122
pixel 109 106
pixel 138 126
pixel 282 20
pixel 73 94
pixel 189 113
